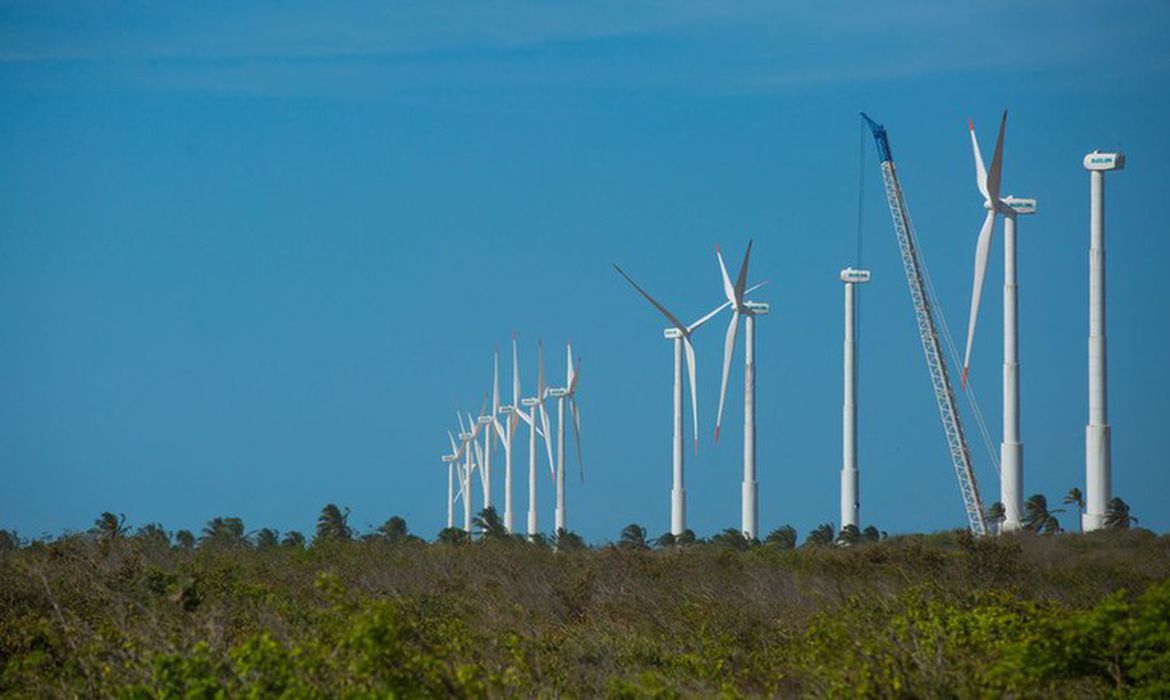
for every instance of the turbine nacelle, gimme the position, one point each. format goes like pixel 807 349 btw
pixel 672 333
pixel 530 402
pixel 484 420
pixel 558 392
pixel 466 437
pixel 507 410
pixel 851 276
pixel 1019 205
pixel 450 458
pixel 1104 161
pixel 757 308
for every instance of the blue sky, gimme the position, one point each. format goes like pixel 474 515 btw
pixel 253 255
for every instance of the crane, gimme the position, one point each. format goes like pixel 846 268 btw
pixel 935 362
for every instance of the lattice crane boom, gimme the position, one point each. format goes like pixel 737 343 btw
pixel 935 361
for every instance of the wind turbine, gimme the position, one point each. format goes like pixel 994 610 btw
pixel 1011 448
pixel 1098 467
pixel 452 462
pixel 466 437
pixel 681 335
pixel 850 500
pixel 507 433
pixel 750 507
pixel 566 394
pixel 535 405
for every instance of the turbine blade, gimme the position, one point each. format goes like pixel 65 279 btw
pixel 710 315
pixel 728 352
pixel 728 290
pixel 515 374
pixel 993 175
pixel 569 376
pixel 669 316
pixel 982 253
pixel 694 391
pixel 496 381
pixel 547 442
pixel 540 370
pixel 980 171
pixel 454 447
pixel 576 377
pixel 741 281
pixel 462 428
pixel 577 434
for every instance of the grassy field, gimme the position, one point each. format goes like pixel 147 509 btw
pixel 119 615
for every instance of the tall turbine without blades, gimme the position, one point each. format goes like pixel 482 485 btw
pixel 1011 449
pixel 750 507
pixel 1098 467
pixel 681 335
pixel 850 500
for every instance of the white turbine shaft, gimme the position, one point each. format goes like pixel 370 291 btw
pixel 467 490
pixel 1098 470
pixel 1011 450
pixel 850 503
pixel 450 494
pixel 560 511
pixel 678 496
pixel 751 505
pixel 532 474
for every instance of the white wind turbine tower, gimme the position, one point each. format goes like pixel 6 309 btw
pixel 681 335
pixel 1011 448
pixel 850 500
pixel 563 395
pixel 750 508
pixel 535 405
pixel 1098 468
pixel 452 462
pixel 466 437
pixel 514 413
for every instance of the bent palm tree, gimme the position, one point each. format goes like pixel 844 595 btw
pixel 223 532
pixel 871 534
pixel 333 524
pixel 185 539
pixel 109 527
pixel 732 537
pixel 153 533
pixel 267 538
pixel 292 538
pixel 848 536
pixel 783 537
pixel 633 537
pixel 1117 515
pixel 1076 498
pixel 996 515
pixel 394 530
pixel 1037 516
pixel 489 525
pixel 822 535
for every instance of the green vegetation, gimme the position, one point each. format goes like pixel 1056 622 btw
pixel 126 613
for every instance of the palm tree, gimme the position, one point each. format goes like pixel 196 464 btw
pixel 267 538
pixel 1076 498
pixel 292 538
pixel 666 539
pixel 185 539
pixel 109 527
pixel 822 535
pixel 394 530
pixel 633 537
pixel 1117 515
pixel 783 537
pixel 733 538
pixel 1038 518
pixel 9 541
pixel 848 536
pixel 996 515
pixel 871 534
pixel 333 524
pixel 489 525
pixel 223 532
pixel 153 533
pixel 568 541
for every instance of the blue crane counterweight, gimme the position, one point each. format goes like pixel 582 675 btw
pixel 928 334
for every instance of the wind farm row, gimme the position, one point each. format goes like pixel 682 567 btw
pixel 471 449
